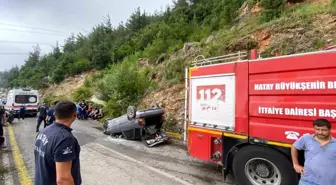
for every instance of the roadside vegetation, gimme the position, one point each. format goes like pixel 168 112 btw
pixel 3 170
pixel 115 50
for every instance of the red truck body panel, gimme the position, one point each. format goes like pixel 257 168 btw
pixel 241 72
pixel 199 145
pixel 276 99
pixel 300 89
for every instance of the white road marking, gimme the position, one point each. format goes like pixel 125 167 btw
pixel 147 166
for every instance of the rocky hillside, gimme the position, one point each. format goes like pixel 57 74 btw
pixel 166 43
pixel 304 27
pixel 65 88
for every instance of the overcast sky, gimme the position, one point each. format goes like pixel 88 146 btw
pixel 63 16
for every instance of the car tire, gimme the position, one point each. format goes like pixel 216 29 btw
pixel 248 159
pixel 131 112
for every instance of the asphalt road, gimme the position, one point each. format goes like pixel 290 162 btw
pixel 105 160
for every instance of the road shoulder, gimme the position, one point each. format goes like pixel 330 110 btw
pixel 16 170
pixel 19 163
pixel 7 168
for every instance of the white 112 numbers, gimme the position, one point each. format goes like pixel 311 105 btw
pixel 209 94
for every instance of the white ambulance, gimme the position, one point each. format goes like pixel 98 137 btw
pixel 23 96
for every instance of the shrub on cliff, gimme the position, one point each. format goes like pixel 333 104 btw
pixel 49 100
pixel 174 71
pixel 82 93
pixel 123 85
pixel 272 9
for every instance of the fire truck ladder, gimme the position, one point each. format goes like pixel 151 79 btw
pixel 233 57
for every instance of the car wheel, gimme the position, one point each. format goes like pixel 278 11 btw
pixel 131 112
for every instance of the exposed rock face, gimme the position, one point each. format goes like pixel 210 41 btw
pixel 210 39
pixel 189 45
pixel 66 87
pixel 144 61
pixel 171 98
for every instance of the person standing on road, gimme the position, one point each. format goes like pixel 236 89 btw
pixel 22 112
pixel 42 117
pixel 50 115
pixel 2 122
pixel 86 109
pixel 57 150
pixel 78 111
pixel 320 155
pixel 82 109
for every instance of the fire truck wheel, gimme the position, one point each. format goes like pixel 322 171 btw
pixel 255 165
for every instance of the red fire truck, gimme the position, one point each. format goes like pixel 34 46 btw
pixel 244 114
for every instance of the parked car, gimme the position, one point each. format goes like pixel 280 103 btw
pixel 139 124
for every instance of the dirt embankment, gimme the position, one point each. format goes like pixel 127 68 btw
pixel 66 87
pixel 171 98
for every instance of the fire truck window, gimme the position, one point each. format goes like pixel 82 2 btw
pixel 25 99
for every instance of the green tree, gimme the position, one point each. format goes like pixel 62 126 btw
pixel 272 9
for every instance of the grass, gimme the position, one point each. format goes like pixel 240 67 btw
pixel 3 170
pixel 306 10
pixel 174 71
pixel 332 8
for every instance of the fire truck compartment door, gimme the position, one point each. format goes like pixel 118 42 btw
pixel 212 101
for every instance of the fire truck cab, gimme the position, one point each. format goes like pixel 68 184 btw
pixel 245 114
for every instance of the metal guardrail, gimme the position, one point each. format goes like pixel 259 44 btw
pixel 233 57
pixel 330 47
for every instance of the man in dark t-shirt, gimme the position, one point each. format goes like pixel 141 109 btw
pixel 42 117
pixel 57 150
pixel 50 115
pixel 82 106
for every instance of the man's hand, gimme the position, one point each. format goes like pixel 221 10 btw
pixel 299 169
